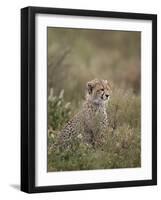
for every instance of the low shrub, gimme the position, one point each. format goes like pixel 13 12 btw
pixel 121 146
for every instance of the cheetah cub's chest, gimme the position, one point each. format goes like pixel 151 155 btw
pixel 95 116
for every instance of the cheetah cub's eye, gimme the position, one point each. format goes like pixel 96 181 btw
pixel 102 89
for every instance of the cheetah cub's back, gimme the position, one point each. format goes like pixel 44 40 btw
pixel 91 122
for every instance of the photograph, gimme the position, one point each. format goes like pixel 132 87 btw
pixel 93 99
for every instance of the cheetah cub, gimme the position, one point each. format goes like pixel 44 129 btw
pixel 91 122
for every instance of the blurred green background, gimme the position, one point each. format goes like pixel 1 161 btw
pixel 76 56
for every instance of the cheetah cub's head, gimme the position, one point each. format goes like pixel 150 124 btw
pixel 98 91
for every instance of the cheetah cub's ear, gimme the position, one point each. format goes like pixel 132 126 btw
pixel 90 86
pixel 108 84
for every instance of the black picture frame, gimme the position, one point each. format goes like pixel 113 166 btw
pixel 28 98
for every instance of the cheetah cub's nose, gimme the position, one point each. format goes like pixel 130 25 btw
pixel 107 95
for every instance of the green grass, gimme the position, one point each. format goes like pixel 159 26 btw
pixel 121 143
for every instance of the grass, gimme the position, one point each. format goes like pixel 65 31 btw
pixel 121 143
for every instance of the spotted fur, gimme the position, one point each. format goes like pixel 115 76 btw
pixel 91 122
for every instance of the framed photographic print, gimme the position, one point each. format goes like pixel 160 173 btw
pixel 88 99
